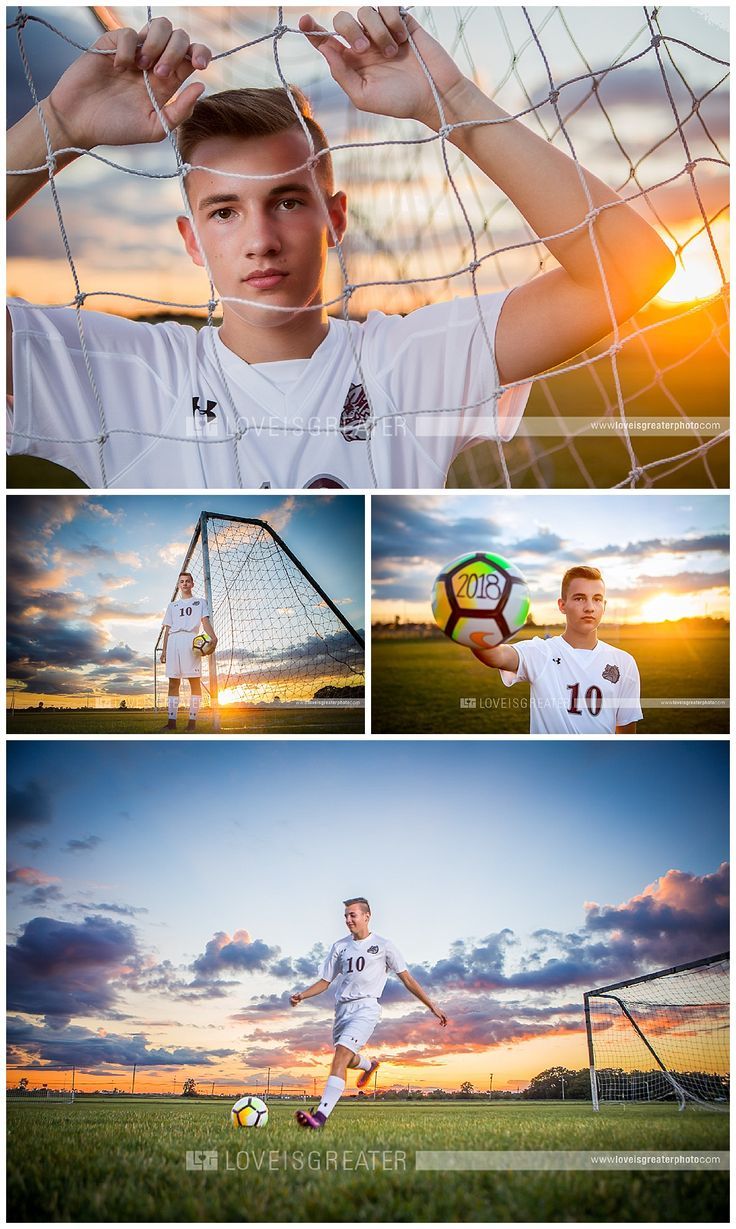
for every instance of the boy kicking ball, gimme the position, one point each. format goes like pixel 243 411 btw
pixel 361 961
pixel 184 618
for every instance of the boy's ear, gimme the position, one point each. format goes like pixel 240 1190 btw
pixel 337 207
pixel 190 242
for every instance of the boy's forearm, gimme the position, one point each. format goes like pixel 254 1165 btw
pixel 545 186
pixel 26 147
pixel 311 992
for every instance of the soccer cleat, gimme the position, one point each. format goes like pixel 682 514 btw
pixel 191 725
pixel 364 1076
pixel 313 1121
pixel 167 729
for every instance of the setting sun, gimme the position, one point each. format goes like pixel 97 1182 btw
pixel 697 275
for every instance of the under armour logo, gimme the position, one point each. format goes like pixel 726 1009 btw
pixel 207 413
pixel 557 660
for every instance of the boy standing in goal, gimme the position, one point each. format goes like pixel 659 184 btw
pixel 579 684
pixel 184 619
pixel 362 961
pixel 389 402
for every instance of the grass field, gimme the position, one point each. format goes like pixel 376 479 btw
pixel 418 685
pixel 256 721
pixel 125 1161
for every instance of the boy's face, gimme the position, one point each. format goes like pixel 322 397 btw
pixel 584 605
pixel 266 240
pixel 186 586
pixel 356 918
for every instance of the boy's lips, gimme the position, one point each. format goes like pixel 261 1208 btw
pixel 265 279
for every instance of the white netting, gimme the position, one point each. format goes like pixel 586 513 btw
pixel 646 405
pixel 664 1038
pixel 279 637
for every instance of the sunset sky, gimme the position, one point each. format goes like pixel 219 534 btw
pixel 89 580
pixel 122 229
pixel 662 556
pixel 162 911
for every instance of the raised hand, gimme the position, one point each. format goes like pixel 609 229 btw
pixel 103 100
pixel 378 70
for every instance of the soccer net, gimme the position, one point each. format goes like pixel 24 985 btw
pixel 639 95
pixel 662 1037
pixel 280 638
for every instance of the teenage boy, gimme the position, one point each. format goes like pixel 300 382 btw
pixel 281 395
pixel 579 684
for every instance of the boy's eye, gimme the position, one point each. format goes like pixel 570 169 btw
pixel 289 204
pixel 218 213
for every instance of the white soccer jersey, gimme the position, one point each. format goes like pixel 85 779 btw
pixel 362 966
pixel 168 412
pixel 577 691
pixel 186 614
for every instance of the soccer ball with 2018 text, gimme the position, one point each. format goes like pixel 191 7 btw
pixel 249 1112
pixel 480 600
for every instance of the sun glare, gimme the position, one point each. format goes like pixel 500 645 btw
pixel 697 276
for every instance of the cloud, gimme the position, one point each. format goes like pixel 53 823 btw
pixel 224 953
pixel 65 969
pixel 82 844
pixel 44 888
pixel 79 1047
pixel 27 806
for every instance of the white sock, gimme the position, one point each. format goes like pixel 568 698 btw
pixel 363 1062
pixel 334 1088
pixel 173 707
pixel 194 703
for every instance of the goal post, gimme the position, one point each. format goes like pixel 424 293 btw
pixel 281 639
pixel 662 1036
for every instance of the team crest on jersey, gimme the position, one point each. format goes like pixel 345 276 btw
pixel 612 673
pixel 355 412
pixel 373 951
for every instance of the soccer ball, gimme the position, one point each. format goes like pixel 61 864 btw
pixel 480 600
pixel 249 1112
pixel 202 645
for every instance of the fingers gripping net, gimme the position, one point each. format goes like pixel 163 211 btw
pixel 280 638
pixel 645 406
pixel 663 1037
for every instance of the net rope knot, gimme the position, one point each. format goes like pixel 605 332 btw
pixel 445 131
pixel 553 96
pixel 656 41
pixel 50 162
pixel 79 299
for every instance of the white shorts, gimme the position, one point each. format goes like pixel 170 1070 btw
pixel 355 1022
pixel 181 660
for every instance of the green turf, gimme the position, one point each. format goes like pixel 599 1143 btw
pixel 255 721
pixel 418 685
pixel 125 1161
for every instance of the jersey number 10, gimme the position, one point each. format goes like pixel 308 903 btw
pixel 593 700
pixel 359 964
